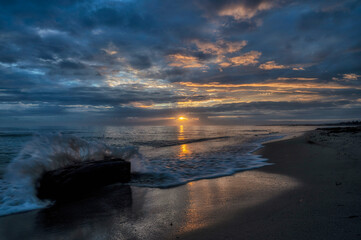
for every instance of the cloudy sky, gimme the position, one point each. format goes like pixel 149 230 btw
pixel 151 61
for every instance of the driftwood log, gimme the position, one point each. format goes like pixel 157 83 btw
pixel 79 180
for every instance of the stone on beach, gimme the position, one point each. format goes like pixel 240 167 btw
pixel 81 179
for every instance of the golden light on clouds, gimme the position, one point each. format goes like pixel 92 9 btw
pixel 241 11
pixel 208 102
pixel 133 79
pixel 351 76
pixel 210 94
pixel 270 85
pixel 225 64
pixel 170 63
pixel 249 58
pixel 221 47
pixel 271 65
pixel 141 105
pixel 296 78
pixel 184 61
pixel 224 54
pixel 298 68
pixel 221 51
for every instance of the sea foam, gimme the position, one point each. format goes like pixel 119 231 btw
pixel 45 153
pixel 164 163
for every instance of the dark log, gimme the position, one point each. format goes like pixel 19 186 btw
pixel 81 179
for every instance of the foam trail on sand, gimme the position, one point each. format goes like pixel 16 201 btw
pixel 45 153
pixel 170 172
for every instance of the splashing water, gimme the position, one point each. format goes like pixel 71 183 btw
pixel 164 156
pixel 46 153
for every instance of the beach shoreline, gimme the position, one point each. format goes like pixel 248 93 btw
pixel 310 192
pixel 324 204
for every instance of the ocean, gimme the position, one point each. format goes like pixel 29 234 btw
pixel 161 156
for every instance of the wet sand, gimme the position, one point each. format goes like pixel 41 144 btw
pixel 311 192
pixel 325 203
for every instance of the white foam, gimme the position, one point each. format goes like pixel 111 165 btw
pixel 46 153
pixel 159 173
pixel 49 152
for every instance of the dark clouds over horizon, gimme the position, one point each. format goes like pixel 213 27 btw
pixel 117 62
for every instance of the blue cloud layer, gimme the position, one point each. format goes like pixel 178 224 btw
pixel 129 59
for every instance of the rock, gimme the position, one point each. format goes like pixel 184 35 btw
pixel 81 179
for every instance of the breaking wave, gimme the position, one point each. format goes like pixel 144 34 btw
pixel 168 163
pixel 170 143
pixel 45 153
pixel 174 171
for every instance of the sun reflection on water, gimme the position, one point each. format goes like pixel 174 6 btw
pixel 183 150
pixel 181 132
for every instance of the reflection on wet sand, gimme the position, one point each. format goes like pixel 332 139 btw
pixel 86 218
pixel 149 213
pixel 212 201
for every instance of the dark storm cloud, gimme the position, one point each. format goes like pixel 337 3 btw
pixel 104 53
pixel 140 62
pixel 90 96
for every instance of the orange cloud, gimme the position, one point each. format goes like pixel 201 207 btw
pixel 351 76
pixel 241 11
pixel 249 58
pixel 258 96
pixel 142 104
pixel 220 47
pixel 296 78
pixel 225 64
pixel 184 61
pixel 276 85
pixel 298 68
pixel 271 65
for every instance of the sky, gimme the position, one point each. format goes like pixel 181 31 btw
pixel 123 62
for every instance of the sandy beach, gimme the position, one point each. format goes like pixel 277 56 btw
pixel 322 200
pixel 312 191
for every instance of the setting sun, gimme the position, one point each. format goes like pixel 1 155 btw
pixel 182 118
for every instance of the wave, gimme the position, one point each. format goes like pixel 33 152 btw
pixel 165 173
pixel 170 143
pixel 45 153
pixel 164 179
pixel 50 152
pixel 5 135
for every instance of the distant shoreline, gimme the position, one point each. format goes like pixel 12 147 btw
pixel 350 123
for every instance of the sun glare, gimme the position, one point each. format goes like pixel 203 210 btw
pixel 181 118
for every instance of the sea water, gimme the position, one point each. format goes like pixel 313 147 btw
pixel 161 156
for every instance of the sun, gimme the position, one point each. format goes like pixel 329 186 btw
pixel 181 118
